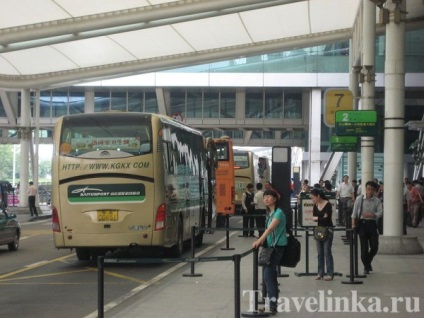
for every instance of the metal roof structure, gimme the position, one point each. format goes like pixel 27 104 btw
pixel 49 43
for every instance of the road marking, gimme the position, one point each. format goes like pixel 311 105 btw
pixel 44 275
pixel 154 280
pixel 32 233
pixel 30 267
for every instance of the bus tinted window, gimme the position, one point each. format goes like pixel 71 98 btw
pixel 127 134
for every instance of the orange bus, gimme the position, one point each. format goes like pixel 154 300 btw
pixel 225 191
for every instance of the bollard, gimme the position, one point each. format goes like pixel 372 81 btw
pixel 351 275
pixel 193 239
pixel 100 285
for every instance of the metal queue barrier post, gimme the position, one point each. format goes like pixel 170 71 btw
pixel 351 261
pixel 227 234
pixel 306 273
pixel 296 220
pixel 255 312
pixel 100 286
pixel 280 274
pixel 356 256
pixel 235 258
pixel 193 239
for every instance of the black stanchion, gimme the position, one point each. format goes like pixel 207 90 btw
pixel 193 238
pixel 306 273
pixel 227 234
pixel 237 260
pixel 255 312
pixel 280 274
pixel 355 256
pixel 100 285
pixel 296 220
pixel 351 261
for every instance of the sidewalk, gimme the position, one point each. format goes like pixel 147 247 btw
pixel 22 214
pixel 394 288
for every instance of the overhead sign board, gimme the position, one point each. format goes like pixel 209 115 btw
pixel 335 100
pixel 356 123
pixel 344 143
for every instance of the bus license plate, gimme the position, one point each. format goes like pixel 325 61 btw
pixel 107 215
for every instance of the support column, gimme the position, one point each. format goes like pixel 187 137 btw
pixel 26 136
pixel 393 242
pixel 35 145
pixel 315 136
pixel 354 88
pixel 368 87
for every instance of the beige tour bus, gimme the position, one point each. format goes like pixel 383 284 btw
pixel 127 179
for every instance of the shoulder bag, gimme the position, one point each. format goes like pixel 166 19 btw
pixel 265 256
pixel 321 233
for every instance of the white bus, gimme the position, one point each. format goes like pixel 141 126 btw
pixel 249 168
pixel 127 179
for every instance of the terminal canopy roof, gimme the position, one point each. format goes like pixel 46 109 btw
pixel 48 43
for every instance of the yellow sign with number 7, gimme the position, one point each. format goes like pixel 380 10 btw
pixel 336 99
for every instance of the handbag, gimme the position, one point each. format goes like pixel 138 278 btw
pixel 292 252
pixel 265 256
pixel 320 233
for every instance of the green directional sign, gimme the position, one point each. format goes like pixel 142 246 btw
pixel 344 143
pixel 356 123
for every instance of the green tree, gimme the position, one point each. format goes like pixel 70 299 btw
pixel 6 162
pixel 44 168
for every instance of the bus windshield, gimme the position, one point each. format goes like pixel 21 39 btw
pixel 129 135
pixel 222 151
pixel 241 160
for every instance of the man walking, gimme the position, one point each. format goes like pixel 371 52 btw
pixel 32 192
pixel 366 212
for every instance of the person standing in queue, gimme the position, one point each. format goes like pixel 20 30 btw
pixel 32 192
pixel 260 208
pixel 275 235
pixel 366 212
pixel 248 208
pixel 323 213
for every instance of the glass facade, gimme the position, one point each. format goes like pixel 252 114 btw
pixel 327 58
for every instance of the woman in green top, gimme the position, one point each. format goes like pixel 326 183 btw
pixel 274 235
